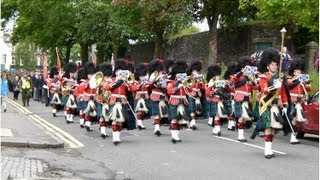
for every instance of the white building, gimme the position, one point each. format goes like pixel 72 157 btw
pixel 6 49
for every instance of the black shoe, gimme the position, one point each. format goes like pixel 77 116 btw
pixel 24 104
pixel 54 115
pixel 116 142
pixel 296 142
pixel 194 127
pixel 88 128
pixel 158 133
pixel 67 121
pixel 268 156
pixel 141 128
pixel 104 136
pixel 272 155
pixel 217 134
pixel 81 125
pixel 173 140
pixel 5 110
pixel 242 140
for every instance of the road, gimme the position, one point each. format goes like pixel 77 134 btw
pixel 144 156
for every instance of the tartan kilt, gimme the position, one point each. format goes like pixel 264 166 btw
pixel 265 118
pixel 191 106
pixel 64 99
pixel 172 112
pixel 155 108
pixel 237 109
pixel 98 109
pixel 129 121
pixel 81 105
pixel 228 106
pixel 213 107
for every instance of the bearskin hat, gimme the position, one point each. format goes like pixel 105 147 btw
pixel 244 61
pixel 121 64
pixel 131 66
pixel 195 65
pixel 90 67
pixel 168 63
pixel 141 70
pixel 53 71
pixel 155 65
pixel 70 67
pixel 82 74
pixel 232 68
pixel 268 56
pixel 105 68
pixel 213 70
pixel 297 64
pixel 179 66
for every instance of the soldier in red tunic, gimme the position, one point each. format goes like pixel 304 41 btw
pixel 141 95
pixel 102 98
pixel 54 84
pixel 244 84
pixel 90 112
pixel 178 101
pixel 232 69
pixel 158 96
pixel 118 116
pixel 68 85
pixel 271 87
pixel 195 92
pixel 299 88
pixel 82 84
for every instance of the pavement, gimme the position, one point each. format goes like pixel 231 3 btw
pixel 19 130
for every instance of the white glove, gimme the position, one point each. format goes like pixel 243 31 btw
pixel 277 84
pixel 284 110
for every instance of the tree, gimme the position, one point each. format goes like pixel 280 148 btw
pixel 296 13
pixel 25 56
pixel 159 19
pixel 224 12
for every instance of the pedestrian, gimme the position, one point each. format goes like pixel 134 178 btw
pixel 26 85
pixel 4 91
pixel 16 87
pixel 287 59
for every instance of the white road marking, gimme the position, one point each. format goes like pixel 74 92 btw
pixel 247 144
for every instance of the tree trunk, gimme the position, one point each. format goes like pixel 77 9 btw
pixel 101 54
pixel 213 41
pixel 68 52
pixel 84 53
pixel 158 46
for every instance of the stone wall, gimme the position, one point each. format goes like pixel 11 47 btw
pixel 231 45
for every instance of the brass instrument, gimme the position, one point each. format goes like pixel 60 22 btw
pixel 69 86
pixel 96 80
pixel 130 80
pixel 106 95
pixel 189 82
pixel 154 76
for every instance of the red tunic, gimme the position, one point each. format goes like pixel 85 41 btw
pixel 176 95
pixel 298 90
pixel 119 92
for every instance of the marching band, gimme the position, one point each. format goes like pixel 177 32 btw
pixel 175 93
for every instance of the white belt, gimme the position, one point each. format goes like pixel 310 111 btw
pixel 118 95
pixel 142 92
pixel 87 94
pixel 156 92
pixel 176 96
pixel 296 95
pixel 243 92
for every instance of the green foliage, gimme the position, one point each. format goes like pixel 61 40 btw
pixel 184 32
pixel 297 13
pixel 314 78
pixel 26 53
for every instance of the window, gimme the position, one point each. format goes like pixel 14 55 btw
pixel 261 46
pixel 13 60
pixel 4 58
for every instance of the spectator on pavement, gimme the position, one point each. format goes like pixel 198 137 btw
pixel 26 85
pixel 4 91
pixel 287 59
pixel 16 87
